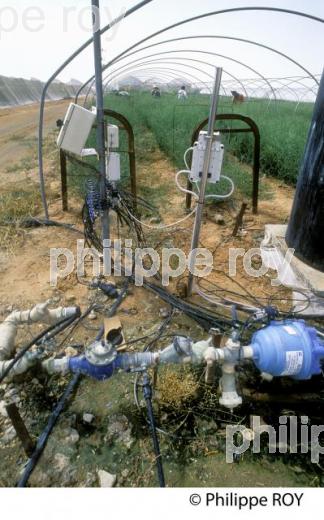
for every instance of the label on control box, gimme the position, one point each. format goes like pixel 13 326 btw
pixel 294 362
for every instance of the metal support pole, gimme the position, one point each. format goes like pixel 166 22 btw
pixel 63 180
pixel 131 148
pixel 256 151
pixel 239 219
pixel 20 428
pixel 201 200
pixel 100 117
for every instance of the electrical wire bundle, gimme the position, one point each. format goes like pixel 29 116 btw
pixel 206 318
pixel 125 205
pixel 213 196
pixel 220 296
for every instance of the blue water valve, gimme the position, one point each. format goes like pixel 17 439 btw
pixel 288 348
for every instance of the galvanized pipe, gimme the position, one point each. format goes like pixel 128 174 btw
pixel 50 81
pixel 100 118
pixel 203 184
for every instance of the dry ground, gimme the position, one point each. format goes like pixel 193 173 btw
pixel 24 269
pixel 28 264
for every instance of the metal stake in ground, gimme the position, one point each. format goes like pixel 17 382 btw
pixel 100 117
pixel 20 428
pixel 203 184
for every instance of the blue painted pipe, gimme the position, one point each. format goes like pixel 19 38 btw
pixel 81 365
pixel 124 361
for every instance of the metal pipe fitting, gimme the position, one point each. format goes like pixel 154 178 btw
pixel 8 330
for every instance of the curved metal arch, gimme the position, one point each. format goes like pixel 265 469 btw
pixel 257 89
pixel 199 61
pixel 283 85
pixel 173 63
pixel 301 100
pixel 52 78
pixel 281 89
pixel 254 86
pixel 302 84
pixel 172 70
pixel 205 15
pixel 165 68
pixel 184 59
pixel 127 68
pixel 161 71
pixel 146 75
pixel 112 62
pixel 201 70
pixel 223 37
pixel 284 81
pixel 116 20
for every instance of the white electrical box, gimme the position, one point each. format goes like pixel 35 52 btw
pixel 198 155
pixel 112 136
pixel 113 166
pixel 76 129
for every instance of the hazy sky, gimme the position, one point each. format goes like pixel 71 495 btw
pixel 37 47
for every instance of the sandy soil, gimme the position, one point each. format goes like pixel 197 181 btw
pixel 24 271
pixel 19 130
pixel 28 265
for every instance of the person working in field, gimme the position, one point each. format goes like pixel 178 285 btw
pixel 156 92
pixel 182 93
pixel 237 97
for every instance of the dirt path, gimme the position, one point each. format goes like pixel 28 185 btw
pixel 18 134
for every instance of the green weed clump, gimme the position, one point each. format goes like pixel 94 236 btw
pixel 14 207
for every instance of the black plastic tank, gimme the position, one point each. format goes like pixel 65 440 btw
pixel 305 231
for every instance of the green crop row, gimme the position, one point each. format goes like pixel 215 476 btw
pixel 283 127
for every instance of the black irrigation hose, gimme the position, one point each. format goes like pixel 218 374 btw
pixel 206 319
pixel 59 328
pixel 147 393
pixel 34 222
pixel 158 335
pixel 31 222
pixel 56 328
pixel 43 438
pixel 80 318
pixel 118 300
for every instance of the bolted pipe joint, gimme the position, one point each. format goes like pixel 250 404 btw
pixel 184 350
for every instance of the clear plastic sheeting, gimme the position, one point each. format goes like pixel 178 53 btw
pixel 19 91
